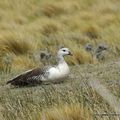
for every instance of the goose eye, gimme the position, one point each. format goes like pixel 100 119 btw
pixel 100 47
pixel 63 50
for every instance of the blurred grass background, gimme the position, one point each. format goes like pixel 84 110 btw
pixel 29 26
pixel 34 25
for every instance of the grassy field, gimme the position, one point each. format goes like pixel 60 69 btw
pixel 30 26
pixel 74 99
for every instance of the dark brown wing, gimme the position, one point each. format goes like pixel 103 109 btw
pixel 28 78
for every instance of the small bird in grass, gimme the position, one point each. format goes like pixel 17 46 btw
pixel 45 57
pixel 54 73
pixel 99 52
pixel 89 48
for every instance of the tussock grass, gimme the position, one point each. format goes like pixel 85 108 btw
pixel 66 113
pixel 16 45
pixel 34 26
pixel 51 10
pixel 23 62
pixel 80 58
pixel 49 29
pixel 92 32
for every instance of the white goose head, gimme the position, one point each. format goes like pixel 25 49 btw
pixel 61 53
pixel 64 51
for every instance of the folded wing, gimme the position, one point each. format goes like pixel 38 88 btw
pixel 30 77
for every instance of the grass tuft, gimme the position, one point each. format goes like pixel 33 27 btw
pixel 51 10
pixel 49 29
pixel 92 32
pixel 66 113
pixel 17 46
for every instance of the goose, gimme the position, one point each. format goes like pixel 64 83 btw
pixel 88 47
pixel 99 52
pixel 45 57
pixel 55 73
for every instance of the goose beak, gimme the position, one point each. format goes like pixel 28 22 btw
pixel 70 54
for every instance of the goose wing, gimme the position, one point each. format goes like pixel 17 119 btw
pixel 30 77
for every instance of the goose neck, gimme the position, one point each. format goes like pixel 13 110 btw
pixel 60 59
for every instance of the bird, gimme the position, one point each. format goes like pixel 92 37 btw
pixel 99 51
pixel 54 73
pixel 45 57
pixel 89 48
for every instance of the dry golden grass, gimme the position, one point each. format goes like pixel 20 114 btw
pixel 22 62
pixel 49 29
pixel 16 46
pixel 51 10
pixel 34 26
pixel 66 113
